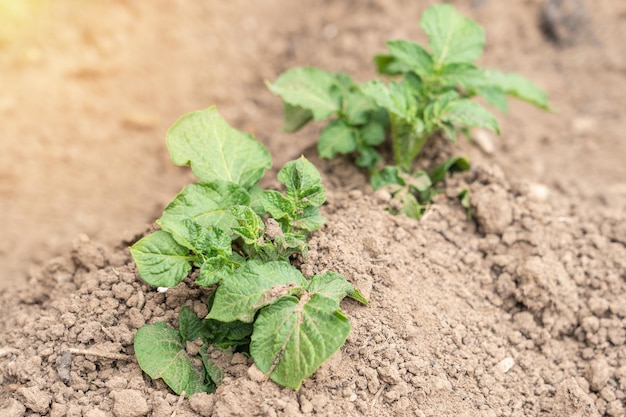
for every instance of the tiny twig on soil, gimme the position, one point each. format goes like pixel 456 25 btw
pixel 7 351
pixel 105 355
pixel 377 396
pixel 181 397
pixel 108 333
pixel 449 239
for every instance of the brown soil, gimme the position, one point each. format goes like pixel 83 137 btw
pixel 519 312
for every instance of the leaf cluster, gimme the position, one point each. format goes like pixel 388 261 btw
pixel 239 237
pixel 431 93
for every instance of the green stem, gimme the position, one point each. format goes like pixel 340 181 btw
pixel 407 144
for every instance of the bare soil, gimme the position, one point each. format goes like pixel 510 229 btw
pixel 520 311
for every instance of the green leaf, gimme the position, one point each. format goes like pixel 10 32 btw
pixel 213 372
pixel 215 150
pixel 494 96
pixel 377 90
pixel 310 219
pixel 368 157
pixel 189 325
pixel 303 182
pixel 161 354
pixel 387 64
pixel 295 117
pixel 277 205
pixel 207 241
pixel 373 132
pixel 357 106
pixel 332 285
pixel 255 200
pixel 310 88
pixel 337 137
pixel 160 260
pixel 464 198
pixel 452 37
pixel 412 56
pixel 389 175
pixel 255 285
pixel 419 181
pixel 467 113
pixel 213 271
pixel 251 226
pixel 292 337
pixel 411 207
pixel 519 87
pixel 454 164
pixel 464 74
pixel 290 243
pixel 206 203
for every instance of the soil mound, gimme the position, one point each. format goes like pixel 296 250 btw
pixel 517 312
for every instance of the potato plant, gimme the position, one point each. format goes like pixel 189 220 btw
pixel 240 239
pixel 432 96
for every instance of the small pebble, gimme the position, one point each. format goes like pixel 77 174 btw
pixel 505 365
pixel 255 374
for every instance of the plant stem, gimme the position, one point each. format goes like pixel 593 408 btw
pixel 407 143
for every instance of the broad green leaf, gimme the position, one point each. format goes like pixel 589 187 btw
pixel 519 87
pixel 467 113
pixel 310 220
pixel 368 157
pixel 387 64
pixel 412 55
pixel 217 242
pixel 206 203
pixel 208 241
pixel 494 96
pixel 389 175
pixel 253 286
pixel 302 181
pixel 379 92
pixel 292 337
pixel 255 200
pixel 215 150
pixel 454 164
pixel 189 325
pixel 161 354
pixel 228 335
pixel 419 181
pixel 411 207
pixel 213 271
pixel 277 204
pixel 452 37
pixel 398 98
pixel 311 88
pixel 357 106
pixel 331 285
pixel 373 133
pixel 295 117
pixel 213 372
pixel 337 137
pixel 464 74
pixel 160 260
pixel 292 242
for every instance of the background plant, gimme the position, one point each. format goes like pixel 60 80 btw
pixel 240 239
pixel 432 96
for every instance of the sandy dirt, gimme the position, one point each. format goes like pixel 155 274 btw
pixel 519 312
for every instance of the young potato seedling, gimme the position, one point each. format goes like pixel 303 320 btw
pixel 240 239
pixel 432 96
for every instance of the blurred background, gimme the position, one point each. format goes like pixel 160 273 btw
pixel 88 89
